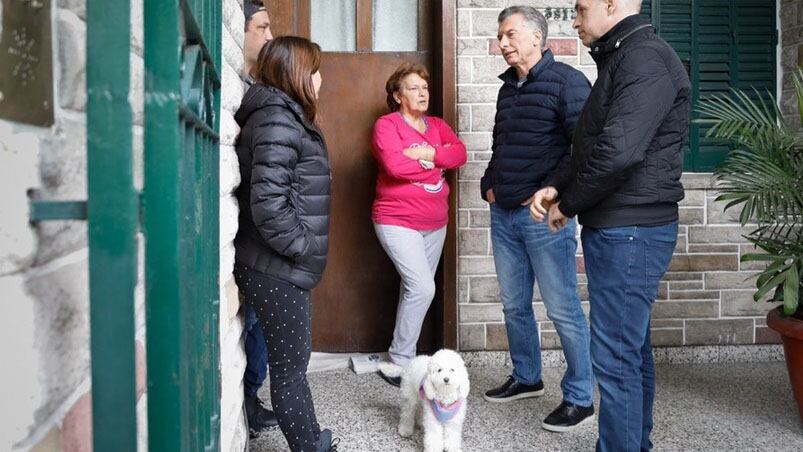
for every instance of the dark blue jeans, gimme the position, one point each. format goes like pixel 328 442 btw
pixel 525 251
pixel 256 353
pixel 624 266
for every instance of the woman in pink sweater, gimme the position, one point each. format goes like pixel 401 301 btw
pixel 411 209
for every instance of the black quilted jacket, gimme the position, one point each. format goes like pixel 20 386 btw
pixel 533 128
pixel 627 155
pixel 284 191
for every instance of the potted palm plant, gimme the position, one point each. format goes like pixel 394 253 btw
pixel 764 176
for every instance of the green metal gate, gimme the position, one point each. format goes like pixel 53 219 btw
pixel 178 214
pixel 181 215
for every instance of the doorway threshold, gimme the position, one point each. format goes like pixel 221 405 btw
pixel 323 362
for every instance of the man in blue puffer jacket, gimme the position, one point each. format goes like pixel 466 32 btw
pixel 536 113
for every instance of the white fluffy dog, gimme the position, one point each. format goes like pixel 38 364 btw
pixel 438 385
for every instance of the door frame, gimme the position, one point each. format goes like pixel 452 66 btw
pixel 284 16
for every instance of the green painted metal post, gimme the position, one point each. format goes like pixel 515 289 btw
pixel 162 223
pixel 113 218
pixel 181 215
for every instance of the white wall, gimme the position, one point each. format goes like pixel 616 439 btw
pixel 232 359
pixel 44 324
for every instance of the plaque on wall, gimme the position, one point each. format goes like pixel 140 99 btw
pixel 26 62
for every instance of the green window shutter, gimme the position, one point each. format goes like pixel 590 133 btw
pixel 756 39
pixel 712 72
pixel 646 10
pixel 729 44
pixel 735 49
pixel 673 21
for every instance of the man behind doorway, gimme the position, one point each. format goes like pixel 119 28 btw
pixel 536 112
pixel 623 180
pixel 260 418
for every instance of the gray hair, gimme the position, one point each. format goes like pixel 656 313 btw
pixel 532 17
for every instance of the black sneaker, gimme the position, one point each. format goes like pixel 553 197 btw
pixel 393 381
pixel 259 418
pixel 326 443
pixel 513 390
pixel 567 417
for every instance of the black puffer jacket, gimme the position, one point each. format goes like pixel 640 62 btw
pixel 627 153
pixel 533 128
pixel 284 191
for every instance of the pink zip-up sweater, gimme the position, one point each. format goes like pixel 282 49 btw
pixel 406 194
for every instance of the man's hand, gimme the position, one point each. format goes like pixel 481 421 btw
pixel 489 195
pixel 543 199
pixel 556 218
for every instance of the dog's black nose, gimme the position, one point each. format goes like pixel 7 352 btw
pixel 446 379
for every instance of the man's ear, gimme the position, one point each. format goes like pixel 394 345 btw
pixel 611 6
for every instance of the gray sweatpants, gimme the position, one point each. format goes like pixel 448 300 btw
pixel 415 255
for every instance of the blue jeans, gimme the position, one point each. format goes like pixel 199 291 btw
pixel 526 251
pixel 624 266
pixel 256 353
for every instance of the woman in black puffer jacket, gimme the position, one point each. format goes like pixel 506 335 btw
pixel 284 223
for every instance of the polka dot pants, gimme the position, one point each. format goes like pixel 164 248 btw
pixel 284 312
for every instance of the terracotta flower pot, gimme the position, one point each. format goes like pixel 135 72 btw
pixel 791 331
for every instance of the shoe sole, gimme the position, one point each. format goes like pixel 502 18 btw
pixel 523 395
pixel 562 429
pixel 388 380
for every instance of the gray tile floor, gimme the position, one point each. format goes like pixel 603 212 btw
pixel 699 407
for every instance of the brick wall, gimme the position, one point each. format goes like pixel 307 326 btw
pixel 791 24
pixel 704 298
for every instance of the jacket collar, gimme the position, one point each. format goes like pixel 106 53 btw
pixel 511 77
pixel 616 36
pixel 260 95
pixel 247 79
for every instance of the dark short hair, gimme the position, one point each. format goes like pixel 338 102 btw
pixel 393 85
pixel 251 7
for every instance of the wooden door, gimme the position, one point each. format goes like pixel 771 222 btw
pixel 354 306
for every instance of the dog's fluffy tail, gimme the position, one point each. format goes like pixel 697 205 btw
pixel 390 369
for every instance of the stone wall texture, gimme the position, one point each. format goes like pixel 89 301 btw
pixel 43 268
pixel 234 434
pixel 705 298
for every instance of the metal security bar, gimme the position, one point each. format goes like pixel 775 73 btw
pixel 113 214
pixel 56 210
pixel 181 214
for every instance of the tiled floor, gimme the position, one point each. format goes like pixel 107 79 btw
pixel 700 407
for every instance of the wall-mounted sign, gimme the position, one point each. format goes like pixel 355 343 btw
pixel 26 62
pixel 559 13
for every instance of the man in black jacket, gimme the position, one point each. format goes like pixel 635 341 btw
pixel 259 417
pixel 538 106
pixel 623 181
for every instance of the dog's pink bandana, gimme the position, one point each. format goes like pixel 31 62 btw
pixel 443 413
